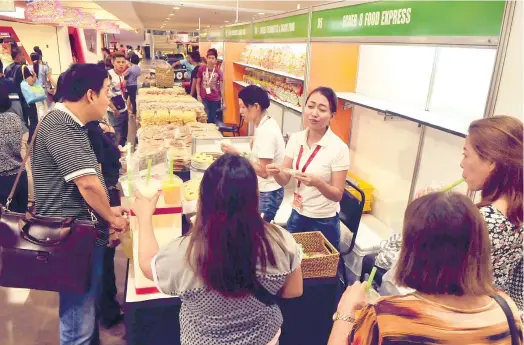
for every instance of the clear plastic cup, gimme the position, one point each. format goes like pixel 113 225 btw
pixel 148 189
pixel 171 189
pixel 372 296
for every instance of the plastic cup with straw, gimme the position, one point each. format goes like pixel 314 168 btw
pixel 171 187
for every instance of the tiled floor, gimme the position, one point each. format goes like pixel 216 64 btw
pixel 29 317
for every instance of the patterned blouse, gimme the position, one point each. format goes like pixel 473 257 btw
pixel 411 319
pixel 506 252
pixel 207 317
pixel 11 131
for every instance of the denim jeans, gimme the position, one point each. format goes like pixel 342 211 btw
pixel 330 227
pixel 131 91
pixel 269 203
pixel 78 317
pixel 120 124
pixel 211 108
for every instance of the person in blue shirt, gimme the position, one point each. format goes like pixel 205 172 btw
pixel 187 62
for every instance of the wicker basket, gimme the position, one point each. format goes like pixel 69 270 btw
pixel 322 266
pixel 165 76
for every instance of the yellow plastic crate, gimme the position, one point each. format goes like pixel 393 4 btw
pixel 365 187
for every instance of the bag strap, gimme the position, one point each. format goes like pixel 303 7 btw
pixel 22 166
pixel 509 316
pixel 23 74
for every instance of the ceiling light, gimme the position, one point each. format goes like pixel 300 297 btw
pixel 226 21
pixel 261 13
pixel 171 14
pixel 208 26
pixel 298 6
pixel 176 8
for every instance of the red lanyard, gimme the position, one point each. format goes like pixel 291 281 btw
pixel 308 161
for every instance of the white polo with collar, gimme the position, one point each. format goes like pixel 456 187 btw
pixel 333 156
pixel 268 144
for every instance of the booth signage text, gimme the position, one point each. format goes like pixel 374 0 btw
pixel 289 27
pixel 238 32
pixel 410 18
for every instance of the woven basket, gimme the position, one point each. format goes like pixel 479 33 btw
pixel 319 267
pixel 165 76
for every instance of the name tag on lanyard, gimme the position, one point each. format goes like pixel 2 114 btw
pixel 208 79
pixel 297 198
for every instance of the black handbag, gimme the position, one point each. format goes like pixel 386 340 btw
pixel 509 316
pixel 44 253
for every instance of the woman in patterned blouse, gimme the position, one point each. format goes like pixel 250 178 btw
pixel 445 258
pixel 492 164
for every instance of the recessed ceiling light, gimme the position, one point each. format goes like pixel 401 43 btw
pixel 171 14
pixel 168 18
pixel 176 8
pixel 226 21
pixel 261 13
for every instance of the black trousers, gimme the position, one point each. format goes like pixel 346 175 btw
pixel 30 118
pixel 131 91
pixel 107 305
pixel 20 198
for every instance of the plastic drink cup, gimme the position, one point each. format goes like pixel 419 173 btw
pixel 171 189
pixel 372 295
pixel 148 190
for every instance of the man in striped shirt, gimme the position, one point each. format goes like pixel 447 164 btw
pixel 68 183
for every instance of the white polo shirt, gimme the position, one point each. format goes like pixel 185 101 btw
pixel 268 143
pixel 333 156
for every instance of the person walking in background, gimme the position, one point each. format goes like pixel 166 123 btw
pixel 13 139
pixel 16 106
pixel 131 76
pixel 18 72
pixel 138 52
pixel 446 258
pixel 268 147
pixel 45 78
pixel 321 162
pixel 229 270
pixel 68 183
pixel 187 63
pixel 118 113
pixel 210 86
pixel 197 62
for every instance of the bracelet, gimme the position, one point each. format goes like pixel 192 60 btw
pixel 343 317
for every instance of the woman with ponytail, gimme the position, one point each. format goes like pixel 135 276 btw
pixel 45 78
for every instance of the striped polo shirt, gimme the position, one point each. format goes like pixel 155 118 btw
pixel 61 153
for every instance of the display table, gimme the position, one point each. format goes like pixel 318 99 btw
pixel 154 319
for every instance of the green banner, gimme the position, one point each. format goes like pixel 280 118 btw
pixel 289 27
pixel 410 18
pixel 215 35
pixel 238 32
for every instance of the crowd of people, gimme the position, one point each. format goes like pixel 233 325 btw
pixel 463 261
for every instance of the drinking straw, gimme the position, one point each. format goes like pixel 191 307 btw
pixel 129 174
pixel 371 277
pixel 171 177
pixel 453 185
pixel 149 165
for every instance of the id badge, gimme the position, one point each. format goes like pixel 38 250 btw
pixel 297 202
pixel 208 90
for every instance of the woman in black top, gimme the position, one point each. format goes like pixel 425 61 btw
pixel 196 60
pixel 102 138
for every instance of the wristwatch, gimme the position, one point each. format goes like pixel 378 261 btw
pixel 347 318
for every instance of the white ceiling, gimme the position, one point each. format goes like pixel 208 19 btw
pixel 151 14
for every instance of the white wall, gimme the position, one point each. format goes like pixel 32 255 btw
pixel 510 100
pixel 50 40
pixel 383 154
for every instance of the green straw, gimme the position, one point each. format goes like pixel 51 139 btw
pixel 129 181
pixel 149 165
pixel 453 185
pixel 171 177
pixel 371 277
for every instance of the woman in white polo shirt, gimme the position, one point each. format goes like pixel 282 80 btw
pixel 268 147
pixel 319 161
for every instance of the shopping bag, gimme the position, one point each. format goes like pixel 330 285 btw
pixel 32 93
